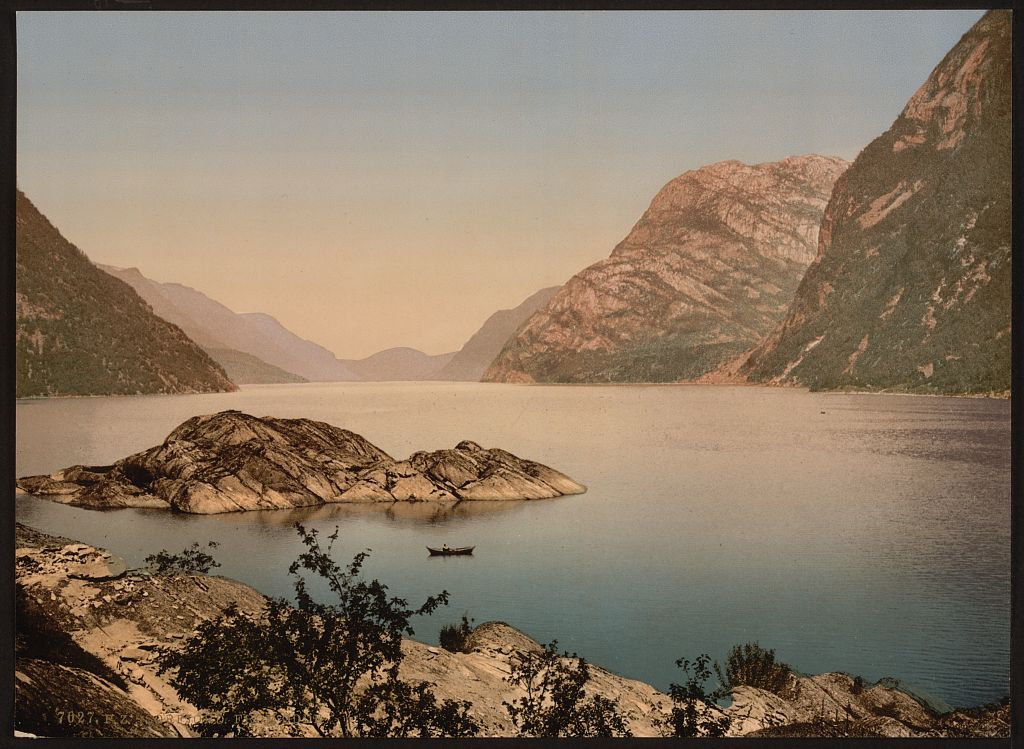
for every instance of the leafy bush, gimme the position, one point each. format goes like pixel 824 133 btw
pixel 693 707
pixel 751 665
pixel 191 561
pixel 300 666
pixel 453 637
pixel 556 703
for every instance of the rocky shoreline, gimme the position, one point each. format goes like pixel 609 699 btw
pixel 231 461
pixel 89 631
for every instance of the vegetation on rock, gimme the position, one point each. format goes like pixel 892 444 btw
pixel 556 703
pixel 81 331
pixel 191 561
pixel 454 637
pixel 751 665
pixel 332 667
pixel 694 711
pixel 911 288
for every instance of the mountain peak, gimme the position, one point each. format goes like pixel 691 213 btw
pixel 709 268
pixel 910 288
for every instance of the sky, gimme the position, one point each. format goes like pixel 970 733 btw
pixel 386 179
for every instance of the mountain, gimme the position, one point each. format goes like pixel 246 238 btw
pixel 400 363
pixel 216 327
pixel 80 331
pixel 705 273
pixel 911 285
pixel 245 369
pixel 296 354
pixel 470 362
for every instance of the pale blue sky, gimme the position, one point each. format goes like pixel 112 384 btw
pixel 382 179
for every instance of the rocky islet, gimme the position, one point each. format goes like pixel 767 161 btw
pixel 231 461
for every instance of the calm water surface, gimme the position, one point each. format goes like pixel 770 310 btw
pixel 861 533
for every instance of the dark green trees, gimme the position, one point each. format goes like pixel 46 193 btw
pixel 299 666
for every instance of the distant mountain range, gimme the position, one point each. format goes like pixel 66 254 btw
pixel 255 348
pixel 215 327
pixel 470 362
pixel 890 273
pixel 246 369
pixel 400 363
pixel 911 285
pixel 707 271
pixel 80 331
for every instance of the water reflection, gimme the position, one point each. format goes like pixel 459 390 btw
pixel 412 513
pixel 873 538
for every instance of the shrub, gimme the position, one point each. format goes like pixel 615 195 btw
pixel 693 711
pixel 453 637
pixel 556 703
pixel 191 561
pixel 299 666
pixel 751 665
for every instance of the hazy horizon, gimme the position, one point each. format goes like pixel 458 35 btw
pixel 391 179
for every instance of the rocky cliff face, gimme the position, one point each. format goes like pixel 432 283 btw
pixel 472 360
pixel 707 271
pixel 79 331
pixel 231 461
pixel 910 288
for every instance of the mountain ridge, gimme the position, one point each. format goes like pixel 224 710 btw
pixel 705 272
pixel 911 286
pixel 81 331
pixel 471 361
pixel 215 326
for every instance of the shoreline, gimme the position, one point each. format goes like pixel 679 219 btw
pixel 119 618
pixel 999 396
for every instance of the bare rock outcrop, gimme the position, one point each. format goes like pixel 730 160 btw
pixel 231 461
pixel 709 269
pixel 911 285
pixel 117 627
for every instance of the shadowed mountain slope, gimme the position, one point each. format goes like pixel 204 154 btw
pixel 911 286
pixel 472 360
pixel 80 331
pixel 215 326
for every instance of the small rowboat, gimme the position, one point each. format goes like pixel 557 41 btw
pixel 447 551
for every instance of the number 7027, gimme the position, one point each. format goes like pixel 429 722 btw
pixel 78 717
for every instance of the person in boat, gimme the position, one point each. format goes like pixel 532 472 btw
pixel 446 547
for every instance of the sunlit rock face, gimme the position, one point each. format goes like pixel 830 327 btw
pixel 910 288
pixel 707 271
pixel 231 461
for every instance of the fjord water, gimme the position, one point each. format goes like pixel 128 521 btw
pixel 863 533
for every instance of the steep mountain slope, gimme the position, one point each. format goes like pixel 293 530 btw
pixel 400 363
pixel 297 354
pixel 706 272
pixel 911 285
pixel 80 331
pixel 215 326
pixel 470 362
pixel 246 369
